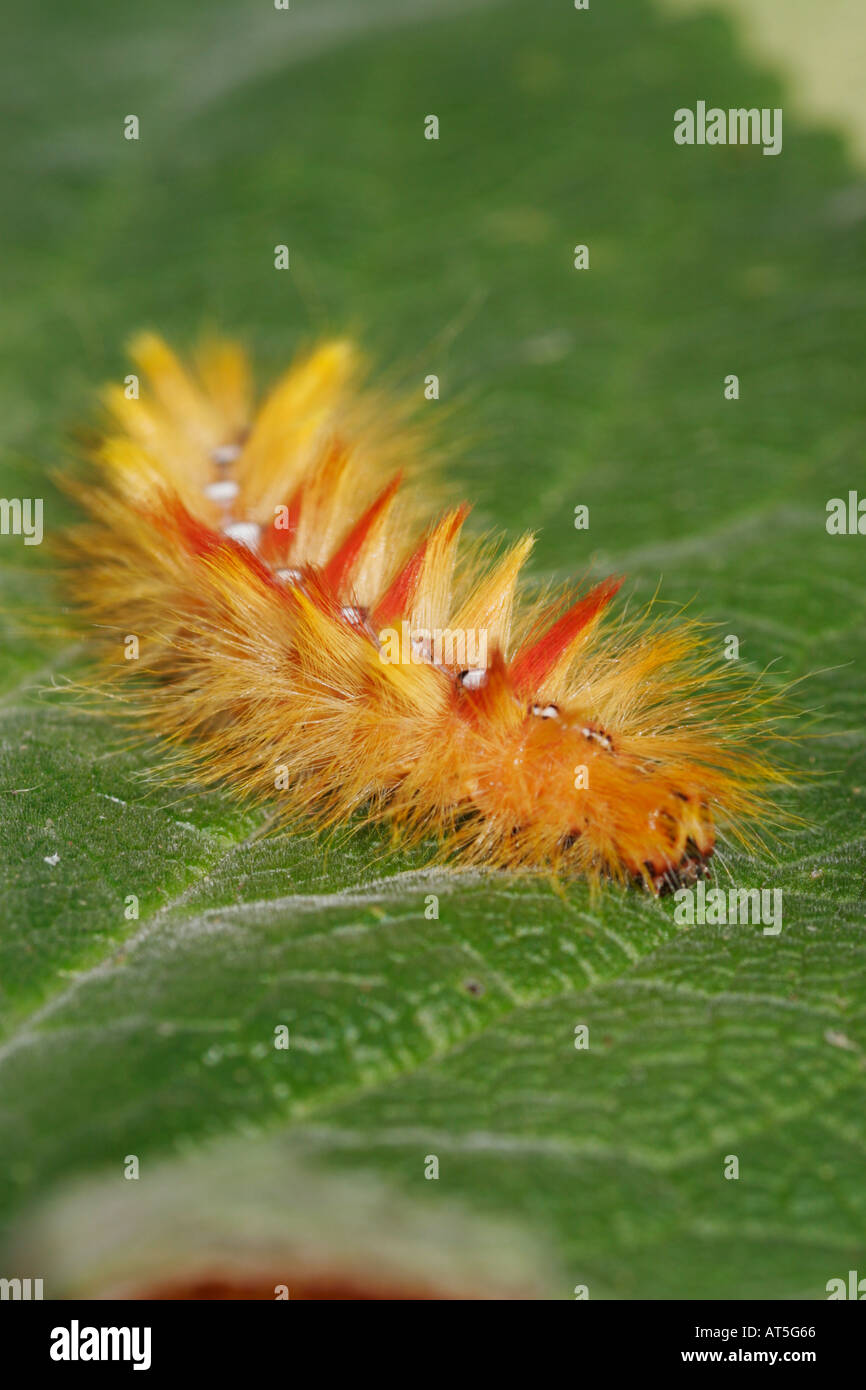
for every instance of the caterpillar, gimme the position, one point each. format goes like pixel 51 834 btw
pixel 297 628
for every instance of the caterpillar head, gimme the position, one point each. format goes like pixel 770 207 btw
pixel 551 783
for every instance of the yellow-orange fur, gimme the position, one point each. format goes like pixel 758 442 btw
pixel 592 747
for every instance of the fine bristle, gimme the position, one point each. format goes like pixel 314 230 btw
pixel 302 636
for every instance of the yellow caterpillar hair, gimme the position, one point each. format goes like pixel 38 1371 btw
pixel 309 643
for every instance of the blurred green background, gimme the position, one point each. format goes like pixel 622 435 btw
pixel 451 1037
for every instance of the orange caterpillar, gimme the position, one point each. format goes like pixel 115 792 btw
pixel 290 629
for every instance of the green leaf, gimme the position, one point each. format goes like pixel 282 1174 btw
pixel 413 1035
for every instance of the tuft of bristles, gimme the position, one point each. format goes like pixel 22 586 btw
pixel 285 599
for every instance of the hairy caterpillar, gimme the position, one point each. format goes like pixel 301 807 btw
pixel 285 605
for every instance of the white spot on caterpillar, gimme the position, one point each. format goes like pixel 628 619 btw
pixel 245 533
pixel 224 491
pixel 546 711
pixel 226 453
pixel 289 576
pixel 474 679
